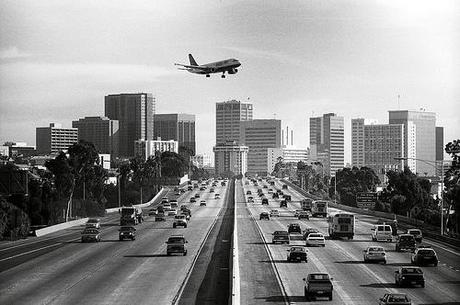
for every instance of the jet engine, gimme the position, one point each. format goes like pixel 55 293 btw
pixel 232 71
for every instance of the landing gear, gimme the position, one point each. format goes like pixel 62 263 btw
pixel 223 75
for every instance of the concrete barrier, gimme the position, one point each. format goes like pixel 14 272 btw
pixel 61 226
pixel 235 265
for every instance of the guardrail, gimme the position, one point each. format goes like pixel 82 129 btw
pixel 403 221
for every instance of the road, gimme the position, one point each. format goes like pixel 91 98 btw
pixel 354 282
pixel 110 272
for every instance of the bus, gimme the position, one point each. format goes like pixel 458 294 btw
pixel 319 208
pixel 341 225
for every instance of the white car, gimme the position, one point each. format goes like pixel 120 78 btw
pixel 315 239
pixel 274 213
pixel 375 254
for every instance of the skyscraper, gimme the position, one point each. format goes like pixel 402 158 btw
pixel 357 142
pixel 179 127
pixel 101 131
pixel 327 137
pixel 135 113
pixel 259 135
pixel 425 137
pixel 54 139
pixel 228 120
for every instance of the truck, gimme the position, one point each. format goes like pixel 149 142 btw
pixel 318 285
pixel 130 216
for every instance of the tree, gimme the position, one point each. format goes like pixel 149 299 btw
pixel 173 165
pixel 351 181
pixel 452 185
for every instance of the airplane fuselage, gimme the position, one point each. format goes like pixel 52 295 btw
pixel 228 65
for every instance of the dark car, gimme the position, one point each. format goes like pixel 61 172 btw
pixel 248 193
pixel 264 201
pixel 285 187
pixel 90 234
pixel 405 242
pixel 309 230
pixel 318 285
pixel 264 215
pixel 275 195
pixel 283 203
pixel 395 299
pixel 287 197
pixel 127 232
pixel 280 237
pixel 192 199
pixel 409 276
pixel 294 228
pixel 297 254
pixel 424 256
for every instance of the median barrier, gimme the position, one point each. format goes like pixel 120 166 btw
pixel 234 262
pixel 61 226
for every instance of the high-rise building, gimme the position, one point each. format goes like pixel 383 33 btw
pixel 288 154
pixel 439 149
pixel 101 131
pixel 425 137
pixel 179 127
pixel 357 142
pixel 202 160
pixel 231 157
pixel 147 148
pixel 259 135
pixel 327 136
pixel 229 116
pixel 54 139
pixel 135 114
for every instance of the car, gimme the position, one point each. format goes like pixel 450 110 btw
pixel 172 212
pixel 152 212
pixel 180 221
pixel 283 203
pixel 166 205
pixel 176 244
pixel 315 239
pixel 280 237
pixel 409 276
pixel 297 254
pixel 90 234
pixel 211 190
pixel 274 213
pixel 164 200
pixel 183 207
pixel 250 200
pixel 284 187
pixel 160 216
pixel 304 215
pixel 174 204
pixel 248 193
pixel 382 232
pixel 203 202
pixel 93 223
pixel 307 231
pixel 264 201
pixel 375 254
pixel 424 256
pixel 318 285
pixel 275 196
pixel 264 215
pixel 265 186
pixel 417 234
pixel 217 196
pixel 270 191
pixel 223 183
pixel 202 188
pixel 127 232
pixel 192 200
pixel 405 242
pixel 297 212
pixel 294 228
pixel 287 197
pixel 395 299
pixel 197 195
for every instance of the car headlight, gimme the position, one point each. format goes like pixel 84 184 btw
pixel 403 277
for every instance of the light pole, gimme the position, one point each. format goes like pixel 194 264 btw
pixel 441 198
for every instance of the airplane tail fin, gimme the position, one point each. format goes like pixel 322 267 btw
pixel 192 60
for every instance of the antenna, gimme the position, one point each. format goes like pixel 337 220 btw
pixel 399 106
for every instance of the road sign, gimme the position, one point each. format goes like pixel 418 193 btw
pixel 366 200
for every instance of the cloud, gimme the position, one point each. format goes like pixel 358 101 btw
pixel 12 52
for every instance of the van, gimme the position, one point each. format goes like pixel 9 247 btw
pixel 382 232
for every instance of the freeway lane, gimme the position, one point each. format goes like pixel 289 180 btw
pixel 112 272
pixel 354 281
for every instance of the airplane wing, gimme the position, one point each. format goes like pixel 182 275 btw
pixel 187 67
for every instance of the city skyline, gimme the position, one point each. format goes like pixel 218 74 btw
pixel 356 59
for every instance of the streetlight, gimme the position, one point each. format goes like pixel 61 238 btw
pixel 430 162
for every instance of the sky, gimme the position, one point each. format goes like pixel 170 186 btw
pixel 300 59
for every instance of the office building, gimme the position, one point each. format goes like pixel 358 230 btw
pixel 135 115
pixel 439 149
pixel 179 127
pixel 288 154
pixel 20 149
pixel 55 138
pixel 101 131
pixel 229 116
pixel 147 148
pixel 425 139
pixel 357 140
pixel 202 160
pixel 327 137
pixel 231 157
pixel 259 135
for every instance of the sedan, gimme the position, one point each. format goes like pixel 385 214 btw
pixel 274 213
pixel 315 239
pixel 375 254
pixel 395 299
pixel 297 254
pixel 203 202
pixel 264 215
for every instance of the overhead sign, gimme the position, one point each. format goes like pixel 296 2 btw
pixel 366 200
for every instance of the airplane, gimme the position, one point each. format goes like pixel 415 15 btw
pixel 229 65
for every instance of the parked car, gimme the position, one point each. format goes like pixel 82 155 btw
pixel 405 242
pixel 424 256
pixel 264 215
pixel 176 244
pixel 297 254
pixel 417 234
pixel 409 276
pixel 395 299
pixel 375 254
pixel 90 234
pixel 315 239
pixel 93 223
pixel 318 285
pixel 280 237
pixel 128 232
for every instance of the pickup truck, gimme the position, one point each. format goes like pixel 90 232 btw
pixel 318 285
pixel 409 276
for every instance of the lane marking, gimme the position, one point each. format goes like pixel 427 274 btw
pixel 35 250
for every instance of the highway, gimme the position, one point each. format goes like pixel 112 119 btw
pixel 59 269
pixel 354 282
